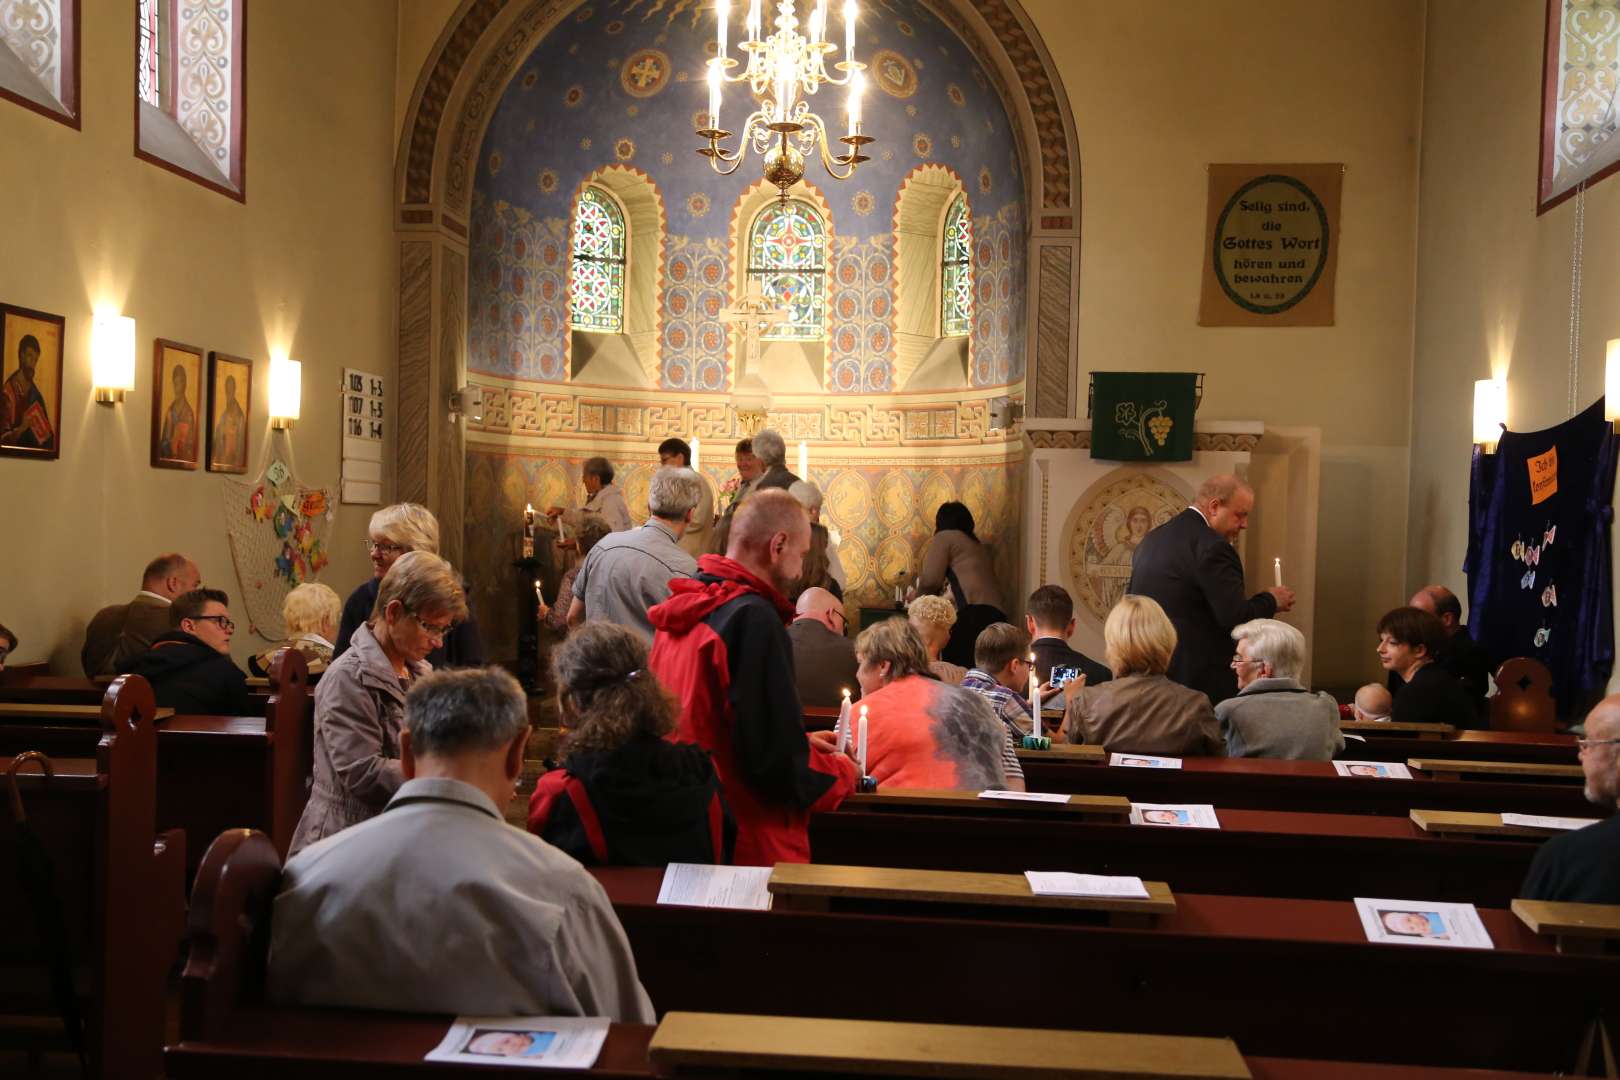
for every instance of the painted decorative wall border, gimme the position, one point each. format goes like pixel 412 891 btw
pixel 1081 440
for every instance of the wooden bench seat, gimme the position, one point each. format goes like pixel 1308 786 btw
pixel 1314 786
pixel 1443 768
pixel 214 772
pixel 117 885
pixel 1546 747
pixel 1255 852
pixel 1219 964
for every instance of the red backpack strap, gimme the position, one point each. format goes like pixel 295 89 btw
pixel 717 827
pixel 588 820
pixel 544 800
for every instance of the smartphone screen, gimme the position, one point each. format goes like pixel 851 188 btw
pixel 1061 675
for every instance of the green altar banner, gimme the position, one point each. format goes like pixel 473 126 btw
pixel 1143 416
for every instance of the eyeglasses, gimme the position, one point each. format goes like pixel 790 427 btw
pixel 1587 744
pixel 224 621
pixel 1236 660
pixel 840 613
pixel 432 630
pixel 383 547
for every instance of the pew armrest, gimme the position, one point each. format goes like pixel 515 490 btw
pixel 1578 928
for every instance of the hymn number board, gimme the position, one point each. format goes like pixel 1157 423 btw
pixel 365 411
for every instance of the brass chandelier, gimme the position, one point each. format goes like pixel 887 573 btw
pixel 783 71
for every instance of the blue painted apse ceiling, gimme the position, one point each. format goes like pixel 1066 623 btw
pixel 620 83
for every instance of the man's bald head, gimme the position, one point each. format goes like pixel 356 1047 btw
pixel 1373 702
pixel 1439 601
pixel 818 604
pixel 1599 760
pixel 1226 502
pixel 770 535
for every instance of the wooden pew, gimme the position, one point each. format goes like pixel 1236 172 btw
pixel 1547 747
pixel 1261 784
pixel 214 772
pixel 1219 966
pixel 1444 768
pixel 119 886
pixel 1400 730
pixel 14 672
pixel 1574 928
pixel 227 1029
pixel 1264 853
pixel 1461 823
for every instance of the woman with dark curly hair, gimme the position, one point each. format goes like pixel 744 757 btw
pixel 625 795
pixel 956 557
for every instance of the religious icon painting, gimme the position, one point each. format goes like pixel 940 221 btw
pixel 230 401
pixel 30 383
pixel 177 405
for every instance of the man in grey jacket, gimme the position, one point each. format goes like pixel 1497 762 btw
pixel 437 905
pixel 1273 715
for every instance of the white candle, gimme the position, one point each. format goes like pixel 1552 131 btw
pixel 538 595
pixel 714 94
pixel 1034 698
pixel 861 750
pixel 898 596
pixel 562 529
pixel 849 30
pixel 722 12
pixel 857 84
pixel 753 20
pixel 694 461
pixel 843 722
pixel 1276 566
pixel 804 460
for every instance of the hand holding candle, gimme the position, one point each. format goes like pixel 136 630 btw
pixel 843 723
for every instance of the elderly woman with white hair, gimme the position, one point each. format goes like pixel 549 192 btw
pixel 394 530
pixel 822 569
pixel 1273 715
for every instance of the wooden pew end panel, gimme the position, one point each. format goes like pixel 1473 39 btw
pixel 229 931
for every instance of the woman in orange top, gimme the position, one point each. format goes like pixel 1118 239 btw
pixel 925 733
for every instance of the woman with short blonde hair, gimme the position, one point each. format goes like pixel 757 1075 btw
pixel 311 612
pixel 1140 711
pixel 360 701
pixel 1138 637
pixel 394 531
pixel 932 617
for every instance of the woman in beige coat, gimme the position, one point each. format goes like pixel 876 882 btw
pixel 360 701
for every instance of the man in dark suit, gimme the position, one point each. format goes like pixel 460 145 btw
pixel 823 656
pixel 1583 866
pixel 119 633
pixel 1189 566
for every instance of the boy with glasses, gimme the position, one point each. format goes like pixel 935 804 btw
pixel 190 667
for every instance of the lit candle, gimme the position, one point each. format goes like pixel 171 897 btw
pixel 539 597
pixel 860 752
pixel 857 83
pixel 528 531
pixel 753 20
pixel 898 595
pixel 843 722
pixel 817 15
pixel 722 12
pixel 1276 566
pixel 715 75
pixel 694 454
pixel 804 460
pixel 849 30
pixel 562 529
pixel 786 76
pixel 1034 698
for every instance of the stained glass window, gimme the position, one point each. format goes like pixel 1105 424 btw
pixel 956 271
pixel 596 297
pixel 146 70
pixel 787 258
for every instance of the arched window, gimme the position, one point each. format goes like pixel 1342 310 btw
pixel 956 271
pixel 787 259
pixel 596 291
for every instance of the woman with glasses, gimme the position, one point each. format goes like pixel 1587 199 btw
pixel 1140 711
pixel 395 530
pixel 360 701
pixel 1273 715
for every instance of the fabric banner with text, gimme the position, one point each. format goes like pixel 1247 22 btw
pixel 1271 245
pixel 1539 512
pixel 1143 415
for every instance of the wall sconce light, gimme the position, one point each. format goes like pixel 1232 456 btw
pixel 1611 384
pixel 112 357
pixel 286 391
pixel 467 402
pixel 1490 413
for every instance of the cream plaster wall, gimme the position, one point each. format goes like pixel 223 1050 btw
pixel 306 265
pixel 1494 279
pixel 1161 91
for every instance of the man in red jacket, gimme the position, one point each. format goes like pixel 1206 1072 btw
pixel 721 647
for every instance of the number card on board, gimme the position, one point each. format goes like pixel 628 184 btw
pixel 365 411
